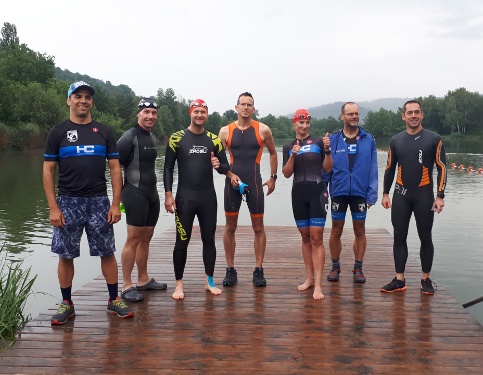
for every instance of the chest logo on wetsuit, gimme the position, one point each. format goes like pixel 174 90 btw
pixel 420 157
pixel 199 150
pixel 72 135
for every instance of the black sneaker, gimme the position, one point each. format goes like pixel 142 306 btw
pixel 258 278
pixel 64 313
pixel 119 307
pixel 231 277
pixel 427 286
pixel 394 286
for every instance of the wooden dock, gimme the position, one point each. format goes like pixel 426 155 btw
pixel 356 329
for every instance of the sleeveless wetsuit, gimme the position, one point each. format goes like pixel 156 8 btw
pixel 245 148
pixel 309 194
pixel 415 156
pixel 195 194
pixel 138 152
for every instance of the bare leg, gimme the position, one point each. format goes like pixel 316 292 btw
pixel 65 272
pixel 260 241
pixel 211 287
pixel 360 241
pixel 128 255
pixel 335 244
pixel 307 255
pixel 229 239
pixel 318 259
pixel 109 269
pixel 179 290
pixel 142 253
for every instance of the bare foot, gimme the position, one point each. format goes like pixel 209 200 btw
pixel 309 283
pixel 179 290
pixel 212 289
pixel 318 293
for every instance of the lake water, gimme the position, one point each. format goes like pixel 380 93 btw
pixel 457 234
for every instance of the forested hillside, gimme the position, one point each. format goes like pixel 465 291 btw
pixel 33 100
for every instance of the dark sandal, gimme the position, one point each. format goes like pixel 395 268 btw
pixel 152 285
pixel 132 295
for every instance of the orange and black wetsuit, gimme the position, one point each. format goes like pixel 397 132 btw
pixel 245 148
pixel 415 156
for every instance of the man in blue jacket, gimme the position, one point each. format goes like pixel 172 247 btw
pixel 353 183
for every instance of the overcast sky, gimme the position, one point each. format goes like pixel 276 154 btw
pixel 288 54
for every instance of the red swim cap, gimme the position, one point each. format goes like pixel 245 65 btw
pixel 198 103
pixel 300 114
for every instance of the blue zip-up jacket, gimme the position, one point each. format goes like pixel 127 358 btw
pixel 362 181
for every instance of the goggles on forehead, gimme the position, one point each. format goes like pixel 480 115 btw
pixel 148 103
pixel 198 104
pixel 303 117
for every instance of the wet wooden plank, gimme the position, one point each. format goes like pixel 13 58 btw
pixel 277 329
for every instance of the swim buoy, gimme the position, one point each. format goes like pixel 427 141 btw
pixel 470 169
pixel 480 170
pixel 453 165
pixel 462 166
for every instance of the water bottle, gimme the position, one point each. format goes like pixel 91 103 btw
pixel 121 208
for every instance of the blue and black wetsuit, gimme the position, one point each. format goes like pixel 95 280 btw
pixel 138 153
pixel 415 156
pixel 309 193
pixel 195 195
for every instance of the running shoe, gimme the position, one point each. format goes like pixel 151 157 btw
pixel 427 286
pixel 359 277
pixel 258 278
pixel 64 313
pixel 394 286
pixel 334 274
pixel 231 277
pixel 119 307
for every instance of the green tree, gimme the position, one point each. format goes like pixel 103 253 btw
pixel 231 115
pixel 9 36
pixel 383 123
pixel 165 120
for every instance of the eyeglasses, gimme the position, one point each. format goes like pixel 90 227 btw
pixel 303 117
pixel 353 114
pixel 198 104
pixel 416 112
pixel 248 105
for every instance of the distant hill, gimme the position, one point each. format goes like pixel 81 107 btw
pixel 333 109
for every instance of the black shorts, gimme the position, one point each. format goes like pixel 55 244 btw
pixel 309 204
pixel 140 210
pixel 340 203
pixel 255 199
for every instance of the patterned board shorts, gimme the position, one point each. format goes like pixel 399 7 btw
pixel 89 213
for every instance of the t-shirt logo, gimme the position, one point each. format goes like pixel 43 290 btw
pixel 72 135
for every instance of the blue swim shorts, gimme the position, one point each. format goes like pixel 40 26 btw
pixel 89 213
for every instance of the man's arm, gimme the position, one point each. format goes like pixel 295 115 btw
pixel 267 137
pixel 48 179
pixel 388 176
pixel 114 214
pixel 373 175
pixel 169 161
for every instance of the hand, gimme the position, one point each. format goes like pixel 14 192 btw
pixel 296 148
pixel 386 201
pixel 326 142
pixel 57 218
pixel 270 184
pixel 114 214
pixel 438 205
pixel 169 204
pixel 214 161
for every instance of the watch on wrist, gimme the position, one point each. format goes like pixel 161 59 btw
pixel 274 176
pixel 327 152
pixel 440 195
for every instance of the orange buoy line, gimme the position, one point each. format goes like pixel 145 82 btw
pixel 470 168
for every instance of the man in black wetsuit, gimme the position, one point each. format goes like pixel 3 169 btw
pixel 415 151
pixel 195 150
pixel 137 154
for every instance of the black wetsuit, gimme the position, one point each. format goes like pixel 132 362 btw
pixel 245 149
pixel 415 156
pixel 138 153
pixel 309 194
pixel 195 194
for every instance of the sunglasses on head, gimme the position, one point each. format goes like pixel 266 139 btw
pixel 303 117
pixel 198 104
pixel 147 104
